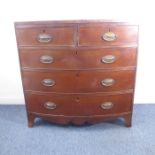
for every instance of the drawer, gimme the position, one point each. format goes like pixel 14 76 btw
pixel 107 35
pixel 79 104
pixel 107 58
pixel 45 36
pixel 83 59
pixel 78 81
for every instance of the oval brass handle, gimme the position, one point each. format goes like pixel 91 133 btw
pixel 108 59
pixel 44 38
pixel 48 82
pixel 46 59
pixel 107 105
pixel 108 82
pixel 50 105
pixel 109 36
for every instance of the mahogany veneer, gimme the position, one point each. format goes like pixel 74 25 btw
pixel 78 71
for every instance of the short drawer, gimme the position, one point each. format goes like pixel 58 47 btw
pixel 107 35
pixel 46 36
pixel 107 58
pixel 79 81
pixel 76 105
pixel 82 59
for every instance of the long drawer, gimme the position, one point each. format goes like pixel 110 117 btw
pixel 75 105
pixel 78 81
pixel 80 59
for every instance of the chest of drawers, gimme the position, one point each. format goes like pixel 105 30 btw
pixel 78 71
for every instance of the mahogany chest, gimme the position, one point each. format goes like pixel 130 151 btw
pixel 78 72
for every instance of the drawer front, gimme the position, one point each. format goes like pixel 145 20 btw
pixel 78 81
pixel 104 35
pixel 83 59
pixel 79 104
pixel 107 58
pixel 45 36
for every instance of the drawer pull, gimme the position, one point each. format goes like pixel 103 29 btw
pixel 108 59
pixel 109 36
pixel 44 38
pixel 50 105
pixel 107 105
pixel 45 59
pixel 108 82
pixel 48 82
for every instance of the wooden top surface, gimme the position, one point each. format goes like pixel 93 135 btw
pixel 75 22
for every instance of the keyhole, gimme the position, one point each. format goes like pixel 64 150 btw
pixel 77 99
pixel 77 74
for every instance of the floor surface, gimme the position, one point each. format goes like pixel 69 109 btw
pixel 108 138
